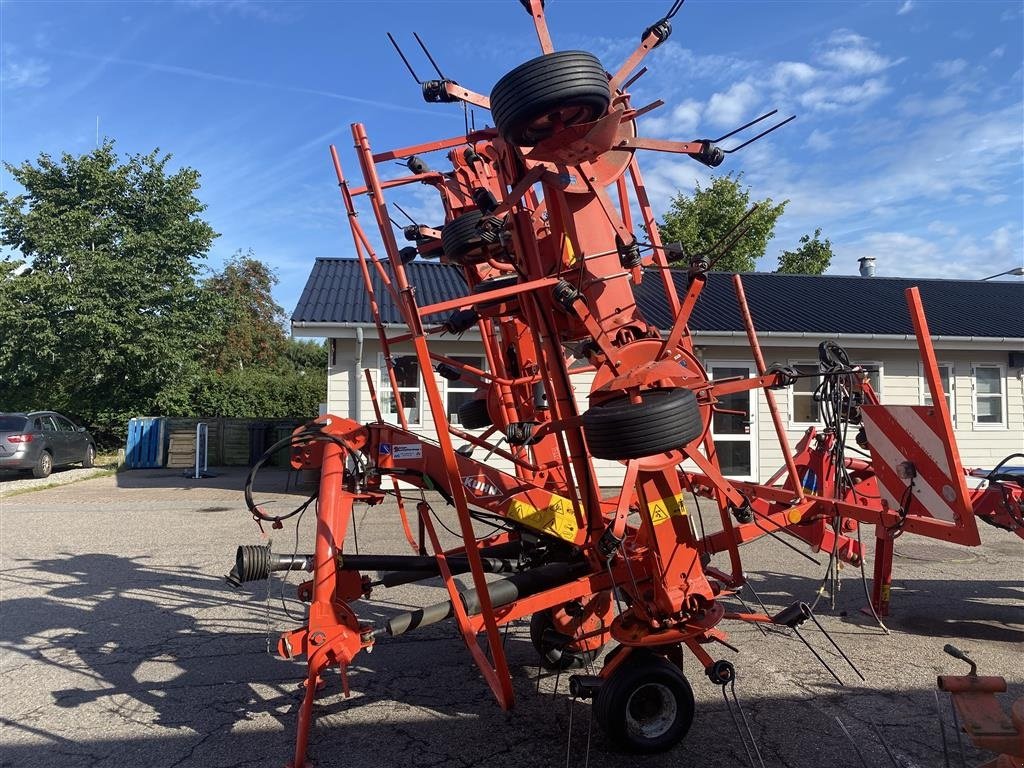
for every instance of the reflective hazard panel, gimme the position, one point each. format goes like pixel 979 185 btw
pixel 670 506
pixel 545 512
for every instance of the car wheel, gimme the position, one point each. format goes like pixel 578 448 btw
pixel 90 457
pixel 548 93
pixel 44 465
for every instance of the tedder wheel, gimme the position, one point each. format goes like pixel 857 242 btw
pixel 473 414
pixel 555 652
pixel 664 420
pixel 44 465
pixel 548 93
pixel 646 705
pixel 463 243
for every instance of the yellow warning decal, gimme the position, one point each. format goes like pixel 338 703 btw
pixel 670 506
pixel 556 518
pixel 568 253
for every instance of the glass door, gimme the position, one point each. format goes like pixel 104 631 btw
pixel 734 424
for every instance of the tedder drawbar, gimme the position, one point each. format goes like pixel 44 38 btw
pixel 539 217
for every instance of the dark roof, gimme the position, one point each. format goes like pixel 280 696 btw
pixel 828 304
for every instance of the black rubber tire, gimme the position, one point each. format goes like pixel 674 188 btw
pixel 90 457
pixel 473 414
pixel 646 705
pixel 571 85
pixel 665 420
pixel 501 307
pixel 557 656
pixel 463 243
pixel 44 465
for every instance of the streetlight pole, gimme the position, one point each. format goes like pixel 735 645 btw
pixel 1015 271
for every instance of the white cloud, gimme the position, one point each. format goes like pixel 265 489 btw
pixel 683 120
pixel 952 68
pixel 997 53
pixel 819 140
pixel 733 106
pixel 829 99
pixel 23 73
pixel 243 8
pixel 898 254
pixel 789 73
pixel 905 8
pixel 854 54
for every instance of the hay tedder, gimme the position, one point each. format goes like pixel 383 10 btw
pixel 539 217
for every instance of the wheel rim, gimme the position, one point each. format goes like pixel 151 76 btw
pixel 562 117
pixel 651 711
pixel 46 463
pixel 90 454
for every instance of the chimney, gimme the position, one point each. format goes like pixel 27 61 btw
pixel 867 266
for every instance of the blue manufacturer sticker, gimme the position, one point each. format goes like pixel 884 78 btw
pixel 385 449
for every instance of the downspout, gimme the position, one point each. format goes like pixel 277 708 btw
pixel 355 398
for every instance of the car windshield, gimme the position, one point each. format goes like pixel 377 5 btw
pixel 12 423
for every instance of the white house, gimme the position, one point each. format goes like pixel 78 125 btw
pixel 977 328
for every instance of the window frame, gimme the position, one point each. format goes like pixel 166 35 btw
pixel 462 386
pixel 793 393
pixel 384 391
pixel 924 394
pixel 1003 422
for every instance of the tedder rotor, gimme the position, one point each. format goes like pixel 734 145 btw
pixel 539 218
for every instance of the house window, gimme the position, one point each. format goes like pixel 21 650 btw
pixel 407 374
pixel 989 396
pixel 805 410
pixel 948 387
pixel 463 390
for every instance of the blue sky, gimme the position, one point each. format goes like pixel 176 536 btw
pixel 907 147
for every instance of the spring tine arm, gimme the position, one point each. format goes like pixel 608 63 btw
pixel 405 60
pixel 836 645
pixel 736 722
pixel 431 58
pixel 746 725
pixel 761 135
pixel 885 745
pixel 853 742
pixel 818 656
pixel 942 729
pixel 755 121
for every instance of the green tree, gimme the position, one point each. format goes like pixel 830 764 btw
pixel 253 322
pixel 700 221
pixel 100 308
pixel 812 257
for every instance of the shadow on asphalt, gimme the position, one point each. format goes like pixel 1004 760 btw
pixel 269 479
pixel 184 645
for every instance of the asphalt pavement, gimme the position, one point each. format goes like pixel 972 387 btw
pixel 120 644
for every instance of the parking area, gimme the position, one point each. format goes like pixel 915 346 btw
pixel 120 644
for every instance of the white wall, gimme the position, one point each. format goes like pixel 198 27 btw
pixel 901 383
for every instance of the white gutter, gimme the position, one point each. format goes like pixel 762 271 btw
pixel 354 388
pixel 1009 342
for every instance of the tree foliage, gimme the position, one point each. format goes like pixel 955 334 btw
pixel 105 313
pixel 254 322
pixel 812 257
pixel 700 221
pixel 102 308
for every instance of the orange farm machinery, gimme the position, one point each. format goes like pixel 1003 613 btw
pixel 540 215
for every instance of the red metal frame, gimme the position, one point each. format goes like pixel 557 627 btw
pixel 563 223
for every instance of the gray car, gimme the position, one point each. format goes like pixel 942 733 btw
pixel 43 440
